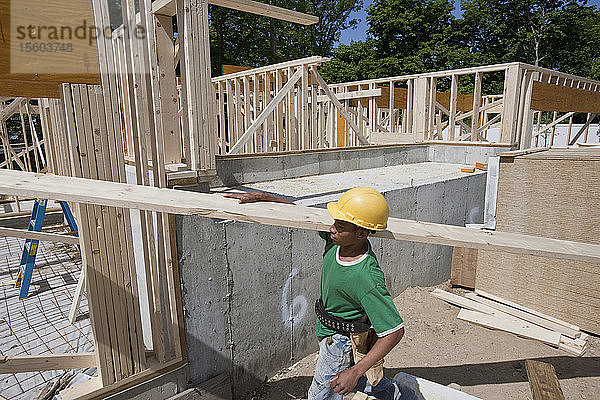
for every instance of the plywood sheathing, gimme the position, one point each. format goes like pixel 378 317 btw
pixel 554 193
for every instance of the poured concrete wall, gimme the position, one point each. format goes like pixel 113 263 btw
pixel 248 290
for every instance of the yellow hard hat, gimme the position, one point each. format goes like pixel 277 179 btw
pixel 362 206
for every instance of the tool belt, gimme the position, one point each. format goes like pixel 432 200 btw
pixel 338 324
pixel 362 336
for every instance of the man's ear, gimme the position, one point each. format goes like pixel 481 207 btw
pixel 362 233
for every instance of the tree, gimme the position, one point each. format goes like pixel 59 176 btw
pixel 245 39
pixel 557 34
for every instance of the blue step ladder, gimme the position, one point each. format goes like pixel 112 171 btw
pixel 31 245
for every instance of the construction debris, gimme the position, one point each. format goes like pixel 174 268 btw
pixel 496 313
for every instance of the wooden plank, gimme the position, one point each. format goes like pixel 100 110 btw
pixel 476 104
pixel 464 265
pixel 524 329
pixel 452 107
pixel 551 97
pixel 47 362
pixel 77 297
pixel 527 316
pixel 527 310
pixel 468 304
pixel 169 96
pixel 215 206
pixel 43 236
pixel 358 94
pixel 543 381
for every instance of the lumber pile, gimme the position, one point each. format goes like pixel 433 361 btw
pixel 492 312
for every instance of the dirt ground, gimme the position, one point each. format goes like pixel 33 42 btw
pixel 437 346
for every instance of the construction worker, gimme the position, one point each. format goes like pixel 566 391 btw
pixel 357 322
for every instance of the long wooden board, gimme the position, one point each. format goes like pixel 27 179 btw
pixel 44 236
pixel 216 206
pixel 48 362
pixel 521 328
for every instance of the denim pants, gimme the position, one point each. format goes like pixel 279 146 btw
pixel 335 355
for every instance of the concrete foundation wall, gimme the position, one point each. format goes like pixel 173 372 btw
pixel 234 171
pixel 249 290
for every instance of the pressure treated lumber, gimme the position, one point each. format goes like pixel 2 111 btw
pixel 48 362
pixel 543 381
pixel 43 236
pixel 215 206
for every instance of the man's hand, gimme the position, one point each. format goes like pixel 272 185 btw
pixel 250 197
pixel 345 381
pixel 253 197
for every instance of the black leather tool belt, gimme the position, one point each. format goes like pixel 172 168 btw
pixel 338 324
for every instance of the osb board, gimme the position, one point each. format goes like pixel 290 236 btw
pixel 464 265
pixel 543 195
pixel 548 97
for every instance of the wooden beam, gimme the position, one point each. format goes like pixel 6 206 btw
pixel 167 7
pixel 583 128
pixel 91 191
pixel 48 362
pixel 543 381
pixel 267 10
pixel 43 236
pixel 358 94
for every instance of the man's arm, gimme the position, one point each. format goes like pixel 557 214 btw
pixel 345 381
pixel 254 197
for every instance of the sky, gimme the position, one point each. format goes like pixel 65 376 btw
pixel 360 32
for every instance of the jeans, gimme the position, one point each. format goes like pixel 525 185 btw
pixel 335 355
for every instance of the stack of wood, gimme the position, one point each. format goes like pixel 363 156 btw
pixel 493 312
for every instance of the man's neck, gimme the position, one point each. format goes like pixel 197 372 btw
pixel 353 252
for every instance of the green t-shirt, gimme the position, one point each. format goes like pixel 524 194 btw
pixel 352 289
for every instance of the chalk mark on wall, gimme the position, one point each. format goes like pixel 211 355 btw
pixel 292 313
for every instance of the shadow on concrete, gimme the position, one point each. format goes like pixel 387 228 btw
pixel 242 380
pixel 501 372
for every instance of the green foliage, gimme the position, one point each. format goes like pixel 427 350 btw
pixel 415 36
pixel 245 39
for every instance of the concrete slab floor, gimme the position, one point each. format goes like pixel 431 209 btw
pixel 39 324
pixel 319 189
